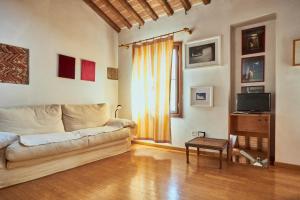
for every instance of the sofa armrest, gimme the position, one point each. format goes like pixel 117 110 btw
pixel 7 138
pixel 125 123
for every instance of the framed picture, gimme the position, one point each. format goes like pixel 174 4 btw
pixel 253 89
pixel 253 40
pixel 203 52
pixel 296 52
pixel 14 64
pixel 202 96
pixel 253 69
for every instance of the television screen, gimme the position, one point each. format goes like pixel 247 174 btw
pixel 253 102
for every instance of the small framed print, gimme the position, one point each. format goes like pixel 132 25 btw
pixel 253 69
pixel 253 40
pixel 296 52
pixel 203 52
pixel 202 96
pixel 253 89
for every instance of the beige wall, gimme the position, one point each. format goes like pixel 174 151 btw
pixel 216 19
pixel 50 27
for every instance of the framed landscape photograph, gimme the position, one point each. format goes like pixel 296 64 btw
pixel 203 52
pixel 253 89
pixel 253 69
pixel 202 96
pixel 253 40
pixel 296 52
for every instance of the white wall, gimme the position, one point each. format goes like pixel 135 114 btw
pixel 216 19
pixel 51 27
pixel 269 54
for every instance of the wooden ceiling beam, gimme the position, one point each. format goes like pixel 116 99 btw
pixel 148 9
pixel 186 4
pixel 205 2
pixel 167 7
pixel 93 6
pixel 132 12
pixel 120 16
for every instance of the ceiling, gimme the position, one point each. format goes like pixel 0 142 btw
pixel 120 14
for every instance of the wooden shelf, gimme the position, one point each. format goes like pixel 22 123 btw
pixel 249 127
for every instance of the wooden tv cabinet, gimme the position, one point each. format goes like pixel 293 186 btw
pixel 253 126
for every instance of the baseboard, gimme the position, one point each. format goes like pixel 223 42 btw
pixel 180 149
pixel 287 165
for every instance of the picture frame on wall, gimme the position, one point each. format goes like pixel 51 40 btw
pixel 253 69
pixel 253 89
pixel 202 96
pixel 14 64
pixel 296 52
pixel 253 40
pixel 202 53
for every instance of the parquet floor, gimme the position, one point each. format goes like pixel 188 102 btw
pixel 153 173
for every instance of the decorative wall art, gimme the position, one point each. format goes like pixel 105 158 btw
pixel 66 66
pixel 203 52
pixel 253 40
pixel 253 69
pixel 296 52
pixel 87 70
pixel 253 89
pixel 202 96
pixel 112 73
pixel 14 64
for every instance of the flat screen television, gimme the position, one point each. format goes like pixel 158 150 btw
pixel 253 102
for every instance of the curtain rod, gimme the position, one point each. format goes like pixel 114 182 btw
pixel 188 30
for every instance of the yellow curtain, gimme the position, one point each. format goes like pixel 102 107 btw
pixel 151 75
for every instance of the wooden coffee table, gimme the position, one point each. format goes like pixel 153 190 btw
pixel 207 143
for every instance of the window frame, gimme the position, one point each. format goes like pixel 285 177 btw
pixel 178 114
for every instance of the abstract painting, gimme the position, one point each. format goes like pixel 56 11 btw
pixel 66 66
pixel 14 64
pixel 202 96
pixel 112 73
pixel 253 69
pixel 87 70
pixel 203 53
pixel 253 40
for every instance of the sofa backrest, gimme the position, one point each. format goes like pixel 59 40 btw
pixel 31 119
pixel 83 116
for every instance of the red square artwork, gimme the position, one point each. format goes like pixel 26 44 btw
pixel 87 70
pixel 66 66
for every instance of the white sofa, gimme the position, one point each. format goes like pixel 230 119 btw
pixel 20 163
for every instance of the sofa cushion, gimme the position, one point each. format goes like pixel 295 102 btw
pixel 77 117
pixel 108 137
pixel 18 152
pixel 31 119
pixel 7 138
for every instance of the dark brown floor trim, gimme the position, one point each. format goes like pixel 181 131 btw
pixel 287 165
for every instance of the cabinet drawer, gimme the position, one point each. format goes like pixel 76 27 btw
pixel 257 124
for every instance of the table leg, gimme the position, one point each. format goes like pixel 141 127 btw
pixel 220 166
pixel 187 154
pixel 198 151
pixel 228 152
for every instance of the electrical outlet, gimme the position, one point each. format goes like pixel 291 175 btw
pixel 201 133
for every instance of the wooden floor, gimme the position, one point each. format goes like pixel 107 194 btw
pixel 152 173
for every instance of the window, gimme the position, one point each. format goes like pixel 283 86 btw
pixel 176 81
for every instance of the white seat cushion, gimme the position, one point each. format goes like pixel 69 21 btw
pixel 77 117
pixel 31 119
pixel 108 137
pixel 18 152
